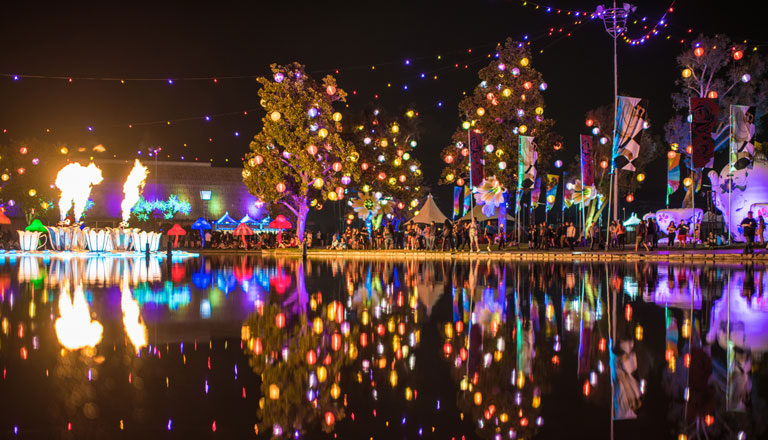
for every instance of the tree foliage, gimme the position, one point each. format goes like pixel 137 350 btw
pixel 299 156
pixel 507 103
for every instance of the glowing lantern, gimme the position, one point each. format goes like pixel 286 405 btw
pixel 502 165
pixel 604 164
pixel 539 110
pixel 687 73
pixel 21 171
pixel 712 95
pixel 332 196
pixel 480 111
pixel 543 86
pixel 336 116
pixel 687 181
pixel 35 161
pixel 257 346
pixel 524 62
pixel 393 378
pixel 280 320
pixel 346 180
pixel 64 150
pixel 400 205
pixel 699 51
pixel 322 374
pixel 384 143
pixel 335 391
pixel 478 398
pixel 275 116
pixel 527 85
pixel 550 199
pixel 410 113
pixel 401 178
pixel 746 77
pixel 414 203
pixel 397 162
pixel 671 154
pixel 558 146
pixel 465 152
pixel 331 90
pixel 23 150
pixel 336 166
pixel 558 163
pixel 489 148
pixel 312 149
pixel 523 129
pixel 258 159
pixel 406 156
pixel 460 182
pixel 689 149
pixel 311 357
pixel 630 198
pixel 465 125
pixel 596 131
pixel 382 175
pixel 5 177
pixel 364 166
pixel 274 392
pixel 318 183
pixel 447 349
pixel 322 133
pixel 737 55
pixel 449 177
pixel 590 122
pixel 506 93
pixel 280 187
pixel 395 128
pixel 640 177
pixel 32 192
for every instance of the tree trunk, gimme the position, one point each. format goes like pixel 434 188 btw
pixel 301 220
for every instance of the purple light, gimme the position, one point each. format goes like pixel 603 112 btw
pixel 170 423
pixel 207 118
pixel 138 152
pixel 90 128
pixel 422 75
pixel 407 62
pixel 182 157
pixel 15 430
pixel 237 133
pixel 170 81
pixel 15 77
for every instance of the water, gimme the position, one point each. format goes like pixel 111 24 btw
pixel 243 347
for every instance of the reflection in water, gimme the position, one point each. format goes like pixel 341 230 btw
pixel 237 345
pixel 74 327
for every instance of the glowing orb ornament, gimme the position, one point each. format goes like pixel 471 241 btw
pixel 364 166
pixel 699 51
pixel 539 110
pixel 630 198
pixel 596 131
pixel 280 187
pixel 32 192
pixel 279 77
pixel 550 199
pixel 712 95
pixel 35 161
pixel 322 133
pixel 489 148
pixel 604 164
pixel 502 165
pixel 465 125
pixel 318 183
pixel 274 392
pixel 543 86
pixel 523 129
pixel 687 182
pixel 312 149
pixel 524 62
pixel 336 166
pixel 746 78
pixel 640 177
pixel 275 116
pixel 395 128
pixel 558 163
pixel 480 111
pixel 336 116
pixel 687 73
pixel 23 150
pixel 331 90
pixel 345 180
pixel 515 71
pixel 738 54
pixel 460 182
pixel 258 159
pixel 4 177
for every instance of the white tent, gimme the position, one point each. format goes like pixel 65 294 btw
pixel 480 217
pixel 428 213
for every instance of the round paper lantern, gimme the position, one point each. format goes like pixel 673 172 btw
pixel 318 183
pixel 32 192
pixel 340 192
pixel 523 129
pixel 312 149
pixel 449 177
pixel 414 203
pixel 331 90
pixel 671 154
pixel 712 95
pixel 603 140
pixel 406 156
pixel 689 149
pixel 480 111
pixel 746 77
pixel 330 419
pixel 401 178
pixel 465 125
pixel 367 140
pixel 336 342
pixel 465 152
pixel 4 177
pixel 596 131
pixel 502 165
pixel 336 166
pixel 274 392
pixel 687 181
pixel 687 73
pixel 279 77
pixel 311 357
pixel 384 143
pixel 21 171
pixel 558 146
pixel 280 320
pixel 410 113
pixel 506 93
pixel 336 116
pixel 501 66
pixel 738 54
pixel 23 150
pixel 322 132
pixel 550 199
pixel 590 122
pixel 699 51
pixel 558 163
pixel 447 349
pixel 258 159
pixel 478 398
pixel 460 182
pixel 527 85
pixel 35 161
pixel 312 112
pixel 515 71
pixel 524 62
pixel 275 116
pixel 520 113
pixel 322 374
pixel 335 391
pixel 397 162
pixel 317 325
pixel 640 177
pixel 539 111
pixel 382 175
pixel 392 181
pixel 346 180
pixel 543 86
pixel 280 187
pixel 604 164
pixel 332 196
pixel 489 148
pixel 400 205
pixel 630 198
pixel 64 150
pixel 395 128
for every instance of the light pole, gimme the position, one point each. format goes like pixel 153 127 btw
pixel 614 20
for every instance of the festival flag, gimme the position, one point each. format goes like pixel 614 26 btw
pixel 587 172
pixel 476 157
pixel 742 149
pixel 630 121
pixel 673 172
pixel 703 123
pixel 529 152
pixel 567 195
pixel 536 193
pixel 552 182
pixel 456 201
pixel 467 198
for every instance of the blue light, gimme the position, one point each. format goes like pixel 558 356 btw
pixel 440 103
pixel 207 118
pixel 237 133
pixel 422 75
pixel 170 81
pixel 405 87
pixel 549 9
pixel 15 77
pixel 90 128
pixel 407 62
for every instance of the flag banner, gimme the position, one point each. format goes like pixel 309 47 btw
pixel 529 152
pixel 518 195
pixel 742 136
pixel 703 123
pixel 630 121
pixel 552 181
pixel 567 196
pixel 502 213
pixel 673 173
pixel 587 173
pixel 536 193
pixel 457 201
pixel 476 157
pixel 467 198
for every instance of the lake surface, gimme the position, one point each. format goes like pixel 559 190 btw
pixel 238 346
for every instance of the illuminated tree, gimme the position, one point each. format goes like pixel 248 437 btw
pixel 299 158
pixel 27 171
pixel 388 167
pixel 718 68
pixel 507 103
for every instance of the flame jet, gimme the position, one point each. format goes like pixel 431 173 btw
pixel 132 188
pixel 75 182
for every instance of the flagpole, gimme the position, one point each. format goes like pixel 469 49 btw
pixel 730 177
pixel 667 202
pixel 471 197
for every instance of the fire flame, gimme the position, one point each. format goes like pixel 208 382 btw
pixel 132 188
pixel 75 182
pixel 74 327
pixel 134 327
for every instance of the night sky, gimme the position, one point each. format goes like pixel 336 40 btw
pixel 223 39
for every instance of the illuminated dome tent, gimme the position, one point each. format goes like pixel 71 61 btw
pixel 429 213
pixel 226 223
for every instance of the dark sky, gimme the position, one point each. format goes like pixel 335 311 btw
pixel 220 39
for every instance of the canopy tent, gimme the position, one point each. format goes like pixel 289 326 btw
pixel 226 222
pixel 248 220
pixel 480 217
pixel 428 213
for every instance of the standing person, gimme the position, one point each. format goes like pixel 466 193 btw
pixel 671 229
pixel 571 234
pixel 458 235
pixel 614 235
pixel 594 236
pixel 531 236
pixel 621 234
pixel 653 233
pixel 682 233
pixel 502 236
pixel 760 229
pixel 488 235
pixel 431 236
pixel 447 235
pixel 473 236
pixel 641 236
pixel 388 244
pixel 750 225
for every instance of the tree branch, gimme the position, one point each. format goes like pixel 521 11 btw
pixel 290 208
